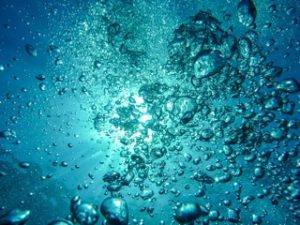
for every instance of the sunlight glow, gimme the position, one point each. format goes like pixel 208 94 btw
pixel 145 118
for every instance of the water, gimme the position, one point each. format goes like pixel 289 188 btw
pixel 149 112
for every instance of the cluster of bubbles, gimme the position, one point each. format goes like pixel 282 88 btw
pixel 217 91
pixel 114 210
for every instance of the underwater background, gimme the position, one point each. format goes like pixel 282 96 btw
pixel 149 112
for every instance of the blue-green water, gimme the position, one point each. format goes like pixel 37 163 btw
pixel 149 112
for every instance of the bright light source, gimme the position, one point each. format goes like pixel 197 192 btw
pixel 145 118
pixel 136 135
pixel 138 100
pixel 150 135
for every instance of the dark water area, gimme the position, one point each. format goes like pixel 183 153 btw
pixel 138 112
